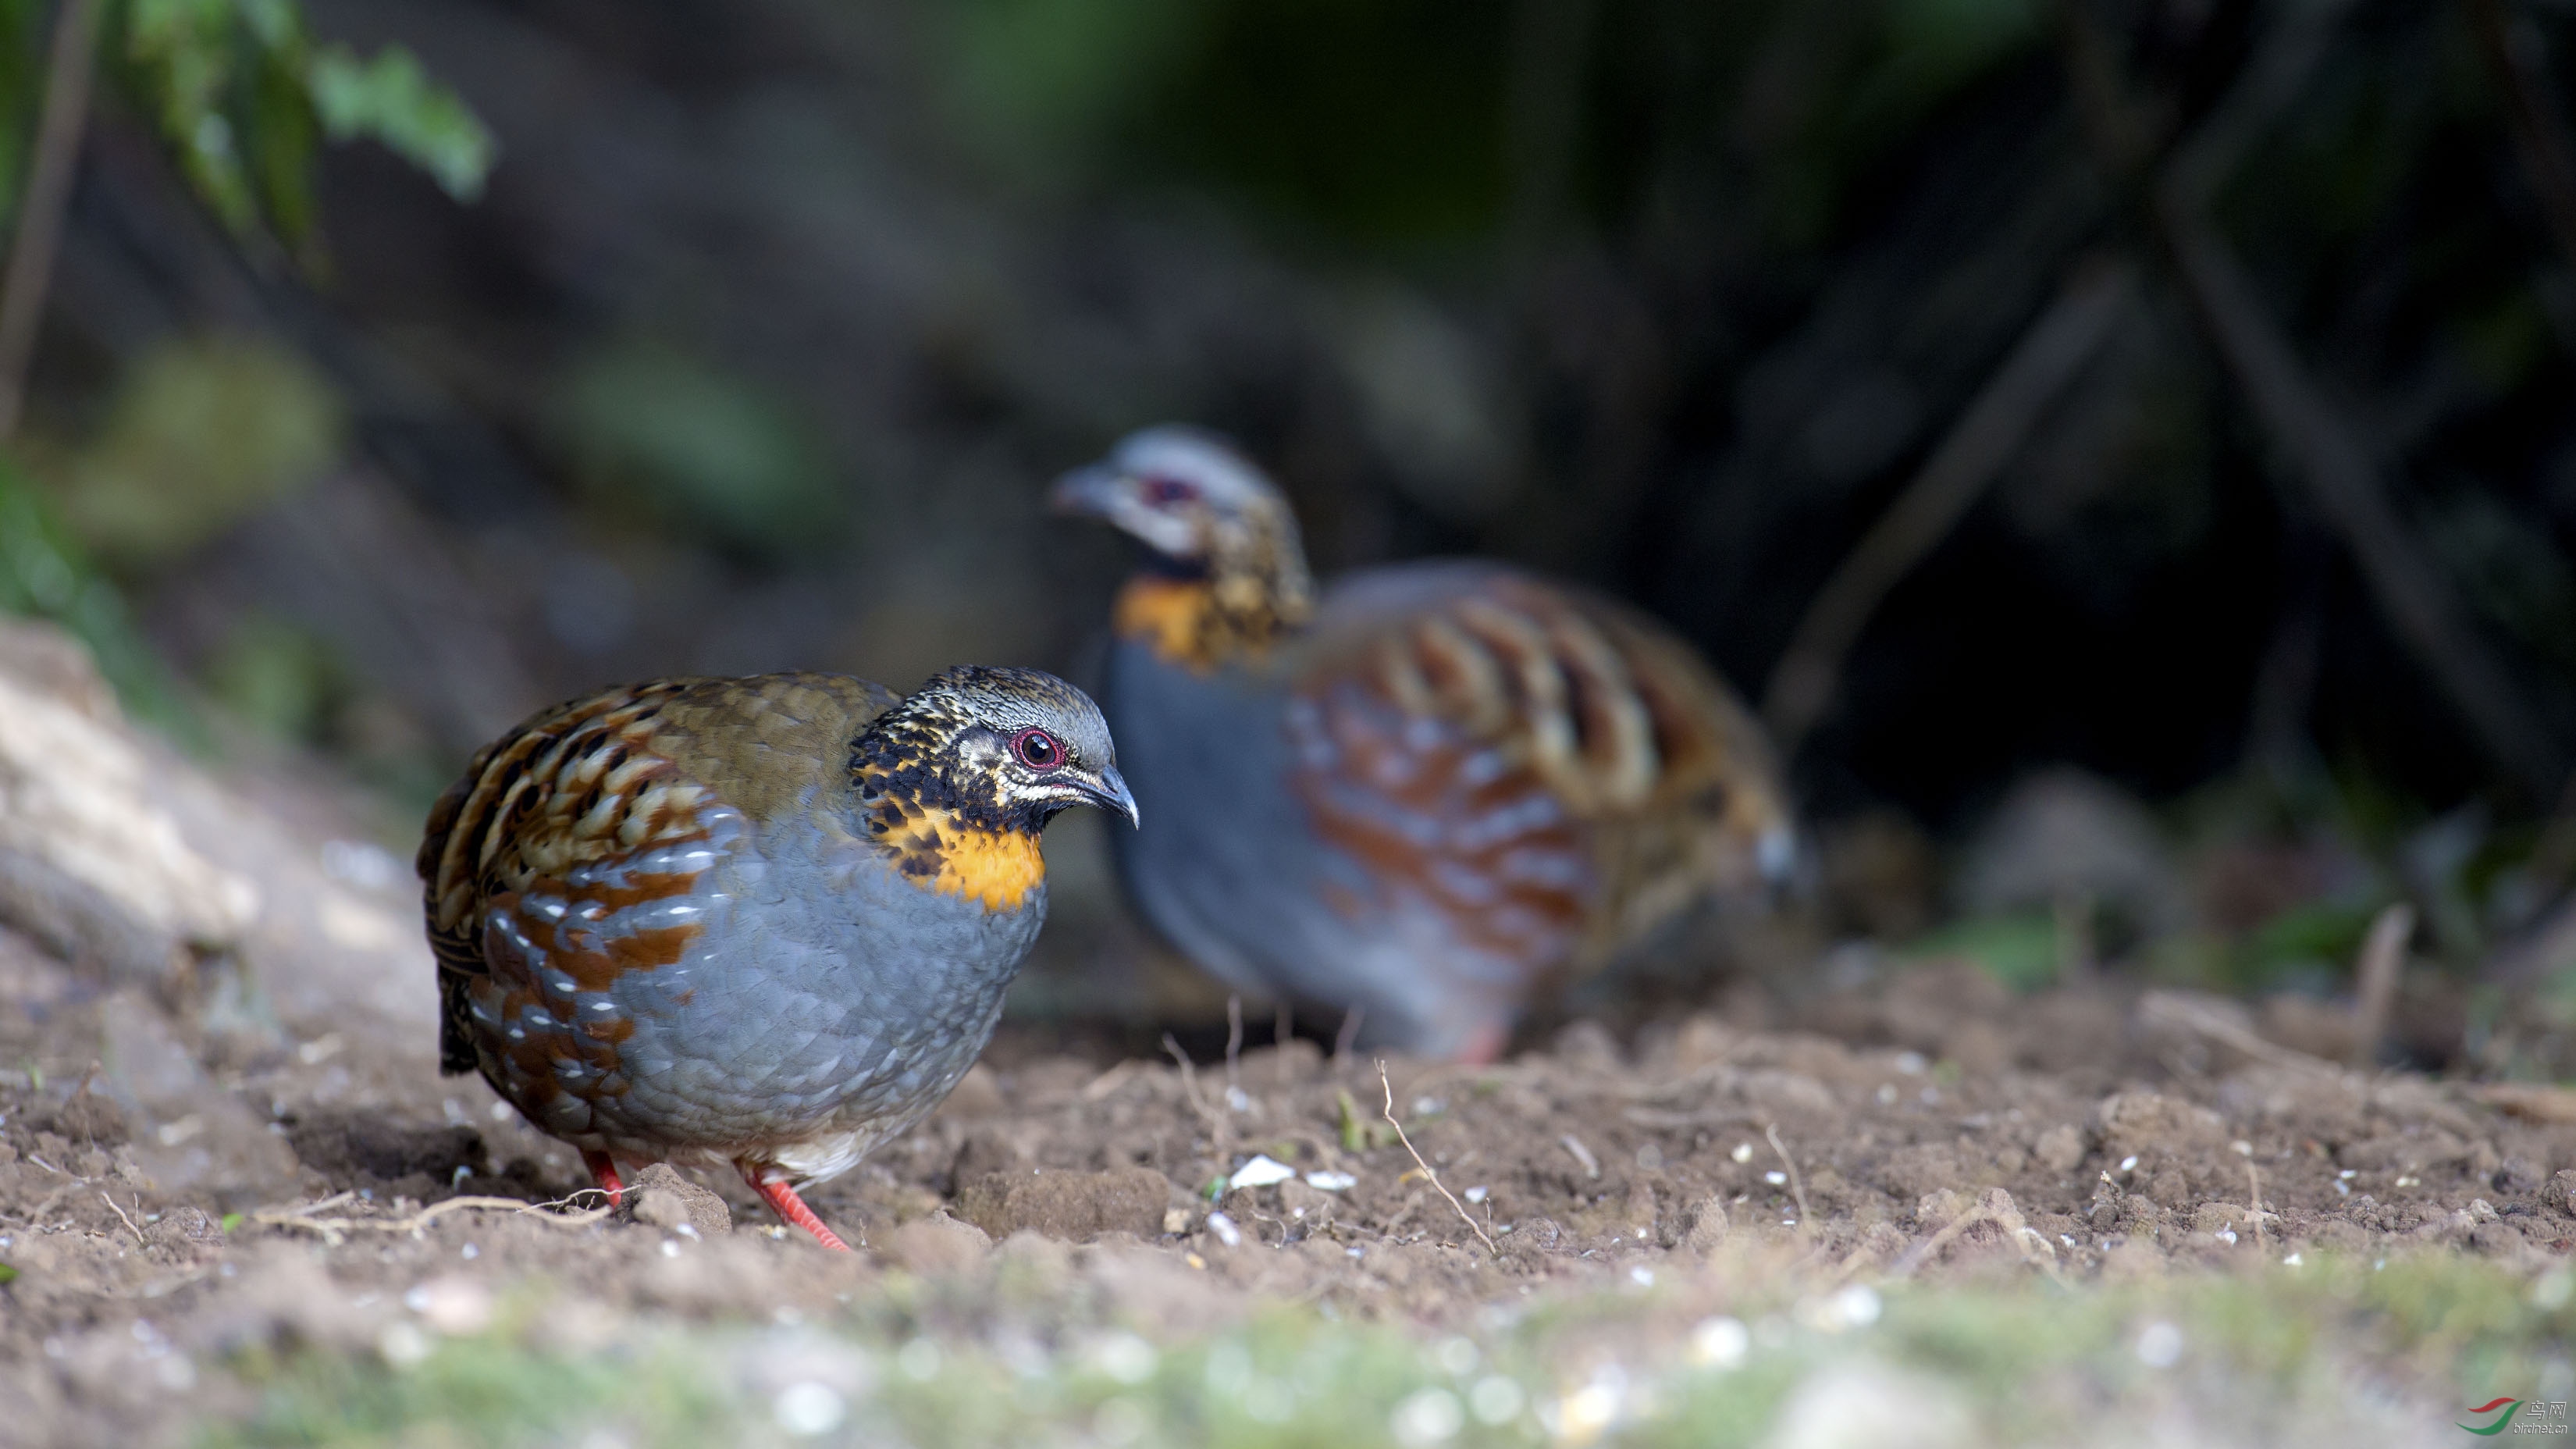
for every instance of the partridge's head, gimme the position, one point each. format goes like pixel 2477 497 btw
pixel 1205 511
pixel 994 749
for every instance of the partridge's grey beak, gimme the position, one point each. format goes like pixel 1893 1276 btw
pixel 1112 794
pixel 1091 492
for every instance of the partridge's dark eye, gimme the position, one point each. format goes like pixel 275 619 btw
pixel 1037 749
pixel 1163 492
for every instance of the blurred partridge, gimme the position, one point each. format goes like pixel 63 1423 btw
pixel 762 922
pixel 1429 794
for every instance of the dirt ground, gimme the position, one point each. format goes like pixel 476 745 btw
pixel 204 1198
pixel 216 1153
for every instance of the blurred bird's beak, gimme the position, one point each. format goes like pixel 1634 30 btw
pixel 1091 492
pixel 1776 855
pixel 1110 793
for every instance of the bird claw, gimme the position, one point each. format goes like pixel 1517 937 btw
pixel 782 1199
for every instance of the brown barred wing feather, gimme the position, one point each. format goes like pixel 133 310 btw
pixel 561 787
pixel 1555 774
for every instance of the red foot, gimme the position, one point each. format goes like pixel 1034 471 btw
pixel 604 1172
pixel 783 1200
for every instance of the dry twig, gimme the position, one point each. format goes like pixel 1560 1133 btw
pixel 1388 1111
pixel 332 1229
pixel 120 1213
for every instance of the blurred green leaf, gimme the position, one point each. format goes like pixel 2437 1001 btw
pixel 702 446
pixel 244 97
pixel 279 679
pixel 202 432
pixel 2318 939
pixel 391 100
pixel 2020 950
pixel 1046 79
pixel 44 574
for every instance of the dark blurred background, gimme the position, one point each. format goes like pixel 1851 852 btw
pixel 2145 429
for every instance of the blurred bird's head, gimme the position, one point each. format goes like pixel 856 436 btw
pixel 1207 513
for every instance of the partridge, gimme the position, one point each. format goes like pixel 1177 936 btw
pixel 763 922
pixel 1431 793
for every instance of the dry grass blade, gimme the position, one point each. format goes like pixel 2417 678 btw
pixel 1233 1048
pixel 1388 1111
pixel 1582 1154
pixel 2254 1200
pixel 1797 1185
pixel 2382 954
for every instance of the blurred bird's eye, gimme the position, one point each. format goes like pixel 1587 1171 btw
pixel 1037 749
pixel 1162 492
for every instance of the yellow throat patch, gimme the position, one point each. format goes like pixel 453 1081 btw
pixel 934 850
pixel 1195 623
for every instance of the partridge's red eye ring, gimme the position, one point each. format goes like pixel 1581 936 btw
pixel 1037 749
pixel 1160 491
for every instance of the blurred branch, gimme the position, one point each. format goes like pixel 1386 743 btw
pixel 2322 447
pixel 40 211
pixel 2050 353
pixel 2270 82
pixel 2540 136
pixel 2348 489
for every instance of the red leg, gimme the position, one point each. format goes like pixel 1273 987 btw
pixel 1485 1044
pixel 604 1172
pixel 783 1200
